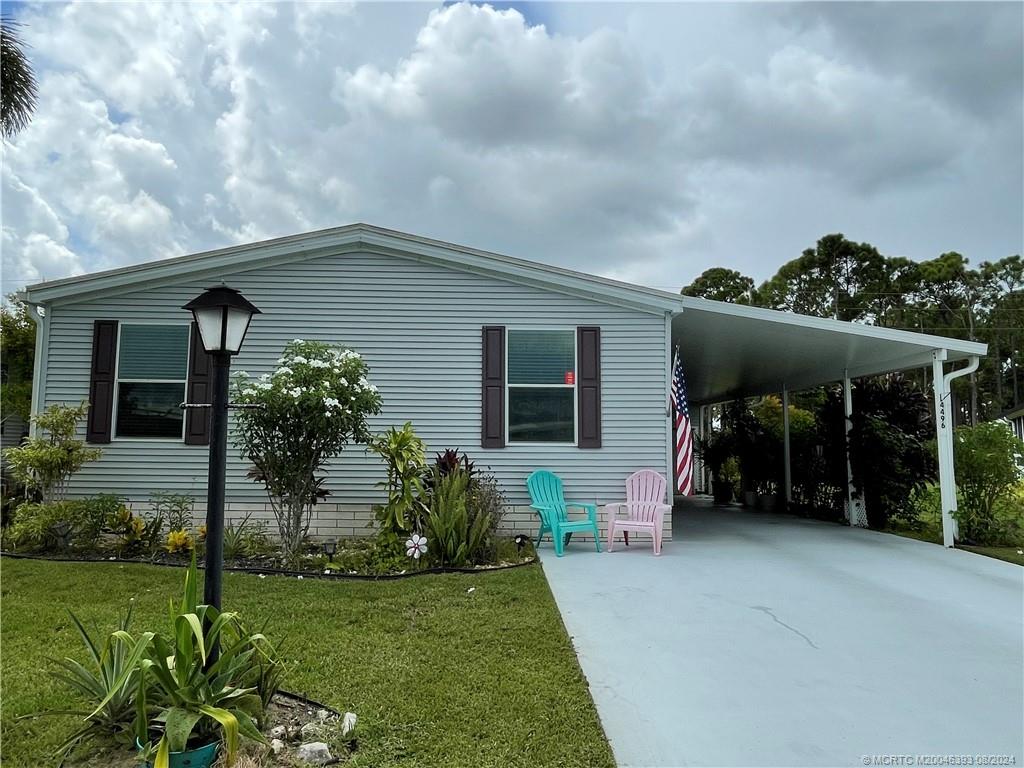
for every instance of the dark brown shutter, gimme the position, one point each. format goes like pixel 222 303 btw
pixel 99 423
pixel 588 384
pixel 492 402
pixel 197 420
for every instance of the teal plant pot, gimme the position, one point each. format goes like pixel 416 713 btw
pixel 202 757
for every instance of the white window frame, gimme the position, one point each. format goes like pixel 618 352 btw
pixel 117 384
pixel 509 330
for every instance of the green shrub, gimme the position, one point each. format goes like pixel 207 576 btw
pixel 43 527
pixel 487 500
pixel 890 445
pixel 244 538
pixel 314 404
pixel 455 537
pixel 79 523
pixel 45 464
pixel 988 464
pixel 174 508
pixel 135 534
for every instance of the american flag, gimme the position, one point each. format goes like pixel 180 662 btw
pixel 683 433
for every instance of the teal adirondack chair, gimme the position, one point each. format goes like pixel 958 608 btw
pixel 547 498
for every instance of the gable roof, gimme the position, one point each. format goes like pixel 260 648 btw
pixel 353 237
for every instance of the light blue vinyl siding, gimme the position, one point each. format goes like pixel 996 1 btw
pixel 418 326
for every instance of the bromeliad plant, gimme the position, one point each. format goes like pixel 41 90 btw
pixel 457 535
pixel 195 687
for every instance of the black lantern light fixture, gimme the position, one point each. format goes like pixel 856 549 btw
pixel 223 316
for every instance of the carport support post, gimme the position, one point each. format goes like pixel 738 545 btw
pixel 944 441
pixel 787 470
pixel 853 505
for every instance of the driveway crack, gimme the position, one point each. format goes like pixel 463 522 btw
pixel 794 630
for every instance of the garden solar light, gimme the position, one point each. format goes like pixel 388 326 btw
pixel 330 547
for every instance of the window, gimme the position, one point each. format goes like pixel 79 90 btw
pixel 541 367
pixel 152 366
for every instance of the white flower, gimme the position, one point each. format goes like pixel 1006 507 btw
pixel 299 359
pixel 295 392
pixel 242 373
pixel 296 341
pixel 282 371
pixel 249 391
pixel 331 402
pixel 416 546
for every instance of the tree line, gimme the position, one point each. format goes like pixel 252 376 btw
pixel 944 296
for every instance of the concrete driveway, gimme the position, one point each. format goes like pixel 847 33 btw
pixel 759 639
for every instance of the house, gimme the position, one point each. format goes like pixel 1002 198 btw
pixel 520 364
pixel 1015 418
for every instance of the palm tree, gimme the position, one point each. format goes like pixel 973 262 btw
pixel 17 81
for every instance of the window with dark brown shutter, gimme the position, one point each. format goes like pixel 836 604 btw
pixel 492 402
pixel 197 390
pixel 588 386
pixel 101 381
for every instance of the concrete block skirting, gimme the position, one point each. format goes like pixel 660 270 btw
pixel 346 521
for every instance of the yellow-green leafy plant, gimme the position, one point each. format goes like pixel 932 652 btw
pixel 404 455
pixel 179 541
pixel 45 463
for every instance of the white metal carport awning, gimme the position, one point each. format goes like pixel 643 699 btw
pixel 731 350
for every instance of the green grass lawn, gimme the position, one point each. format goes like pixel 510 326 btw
pixel 436 674
pixel 932 532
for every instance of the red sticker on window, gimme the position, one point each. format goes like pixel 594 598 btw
pixel 570 377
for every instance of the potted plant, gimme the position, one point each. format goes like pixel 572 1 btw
pixel 715 450
pixel 189 699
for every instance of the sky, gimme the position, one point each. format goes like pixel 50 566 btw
pixel 644 142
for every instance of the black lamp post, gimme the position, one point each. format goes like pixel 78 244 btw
pixel 223 317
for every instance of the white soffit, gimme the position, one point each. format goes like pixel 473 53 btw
pixel 730 350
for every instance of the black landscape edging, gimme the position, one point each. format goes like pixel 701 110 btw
pixel 339 576
pixel 308 702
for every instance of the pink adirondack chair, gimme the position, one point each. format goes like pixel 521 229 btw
pixel 645 508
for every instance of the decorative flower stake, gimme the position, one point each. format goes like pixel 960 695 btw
pixel 416 546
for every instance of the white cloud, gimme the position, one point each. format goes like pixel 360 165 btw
pixel 598 144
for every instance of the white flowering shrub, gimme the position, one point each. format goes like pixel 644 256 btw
pixel 314 403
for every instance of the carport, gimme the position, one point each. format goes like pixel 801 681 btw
pixel 731 351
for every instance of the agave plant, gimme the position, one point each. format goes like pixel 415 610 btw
pixel 101 684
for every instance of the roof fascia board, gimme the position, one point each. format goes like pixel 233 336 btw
pixel 834 326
